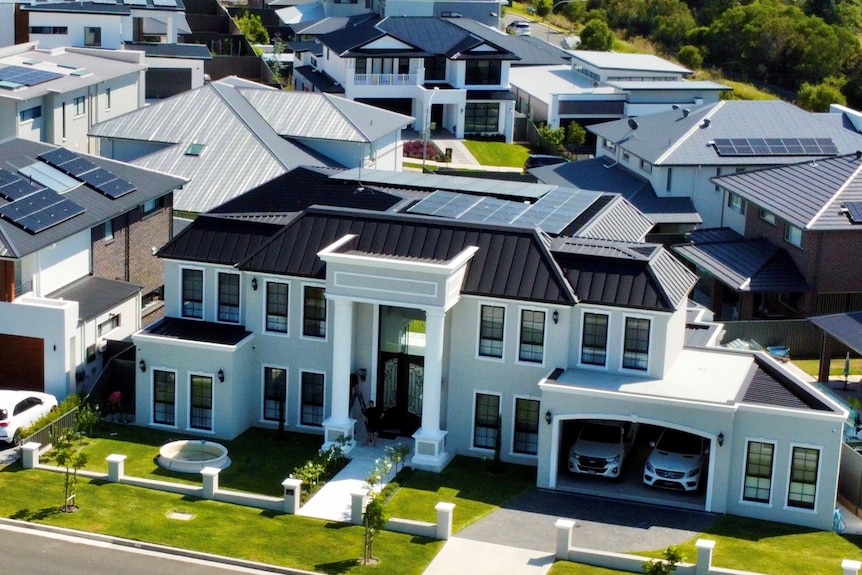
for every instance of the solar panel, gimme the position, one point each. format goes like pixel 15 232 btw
pixel 854 211
pixel 116 188
pixel 775 147
pixel 18 189
pixel 78 166
pixel 165 3
pixel 51 216
pixel 26 76
pixel 58 157
pixel 7 177
pixel 135 2
pixel 28 205
pixel 97 177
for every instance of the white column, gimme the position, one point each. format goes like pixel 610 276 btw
pixel 339 423
pixel 433 373
pixel 172 30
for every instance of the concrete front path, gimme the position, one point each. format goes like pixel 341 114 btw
pixel 477 558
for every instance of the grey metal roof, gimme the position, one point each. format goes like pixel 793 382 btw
pixel 95 295
pixel 844 327
pixel 628 61
pixel 769 386
pixel 620 220
pixel 673 139
pixel 329 24
pixel 531 50
pixel 597 174
pixel 323 117
pixel 675 85
pixel 242 150
pixel 510 263
pixel 752 265
pixel 809 195
pixel 166 50
pixel 197 331
pixel 624 274
pixel 17 153
pixel 456 183
pixel 80 8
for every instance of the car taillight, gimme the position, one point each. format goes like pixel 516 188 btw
pixel 4 424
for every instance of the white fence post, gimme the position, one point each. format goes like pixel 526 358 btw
pixel 444 520
pixel 210 479
pixel 564 537
pixel 851 567
pixel 704 556
pixel 116 467
pixel 292 495
pixel 30 454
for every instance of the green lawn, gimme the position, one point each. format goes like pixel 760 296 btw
pixel 836 366
pixel 498 153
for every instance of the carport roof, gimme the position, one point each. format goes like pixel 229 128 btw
pixel 845 327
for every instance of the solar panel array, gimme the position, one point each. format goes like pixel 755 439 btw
pixel 775 147
pixel 38 208
pixel 18 76
pixel 86 171
pixel 165 3
pixel 854 211
pixel 553 212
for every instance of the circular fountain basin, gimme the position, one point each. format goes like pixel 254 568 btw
pixel 192 455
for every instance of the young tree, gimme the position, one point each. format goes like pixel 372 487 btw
pixel 375 516
pixel 818 97
pixel 690 57
pixel 576 135
pixel 666 566
pixel 68 456
pixel 596 35
pixel 252 27
pixel 543 8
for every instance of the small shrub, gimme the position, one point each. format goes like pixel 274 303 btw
pixel 671 556
pixel 413 149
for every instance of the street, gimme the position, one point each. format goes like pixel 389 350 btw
pixel 538 29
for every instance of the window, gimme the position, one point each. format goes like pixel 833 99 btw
pixel 594 343
pixel 717 174
pixel 483 72
pixel 108 98
pixel 49 30
pixel 80 105
pixel 276 307
pixel 646 166
pixel 274 393
pixel 526 426
pixel 803 478
pixel 164 396
pixel 435 68
pixel 768 217
pixel 486 421
pixel 312 399
pixel 193 293
pixel 669 179
pixel 228 297
pixel 152 205
pixel 195 149
pixel 201 409
pixel 735 202
pixel 626 156
pixel 481 117
pixel 314 308
pixel 63 121
pixel 610 146
pixel 491 331
pixel 109 231
pixel 30 114
pixel 636 344
pixel 793 235
pixel 109 324
pixel 92 36
pixel 361 66
pixel 532 344
pixel 758 472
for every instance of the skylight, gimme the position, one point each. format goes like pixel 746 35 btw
pixel 195 149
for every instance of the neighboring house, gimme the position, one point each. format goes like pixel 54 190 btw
pixel 601 86
pixel 171 68
pixel 465 332
pixel 56 95
pixel 233 135
pixel 679 152
pixel 78 236
pixel 791 233
pixel 428 68
pixel 488 12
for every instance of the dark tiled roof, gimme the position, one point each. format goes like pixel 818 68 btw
pixel 218 240
pixel 197 331
pixel 769 387
pixel 165 50
pixel 531 50
pixel 95 295
pixel 753 265
pixel 845 327
pixel 809 195
pixel 79 7
pixel 510 263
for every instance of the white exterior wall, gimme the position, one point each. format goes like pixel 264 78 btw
pixel 7 24
pixel 409 8
pixel 111 25
pixel 126 150
pixel 33 130
pixel 61 264
pixel 8 118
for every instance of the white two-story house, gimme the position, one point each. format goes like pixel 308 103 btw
pixel 424 67
pixel 471 336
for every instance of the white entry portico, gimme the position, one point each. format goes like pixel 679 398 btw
pixel 356 275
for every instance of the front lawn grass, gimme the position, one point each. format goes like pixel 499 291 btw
pixel 219 528
pixel 836 366
pixel 467 483
pixel 498 153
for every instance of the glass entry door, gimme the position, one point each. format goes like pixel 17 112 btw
pixel 401 369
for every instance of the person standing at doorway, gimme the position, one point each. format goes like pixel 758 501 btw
pixel 372 423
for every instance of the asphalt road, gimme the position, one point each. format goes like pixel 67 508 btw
pixel 537 28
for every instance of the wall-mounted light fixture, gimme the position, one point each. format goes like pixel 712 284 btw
pixel 549 417
pixel 254 284
pixel 556 316
pixel 143 365
pixel 720 439
pixel 220 375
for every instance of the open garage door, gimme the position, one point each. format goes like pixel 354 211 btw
pixel 22 362
pixel 636 462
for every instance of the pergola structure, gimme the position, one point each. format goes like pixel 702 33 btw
pixel 845 328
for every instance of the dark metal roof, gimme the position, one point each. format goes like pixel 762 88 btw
pixel 218 240
pixel 810 195
pixel 315 48
pixel 531 50
pixel 95 295
pixel 79 7
pixel 322 82
pixel 197 331
pixel 844 327
pixel 753 265
pixel 510 263
pixel 624 274
pixel 770 387
pixel 597 174
pixel 166 50
pixel 18 153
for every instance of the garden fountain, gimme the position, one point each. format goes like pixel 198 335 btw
pixel 192 455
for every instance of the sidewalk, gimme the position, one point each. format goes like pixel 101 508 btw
pixel 467 556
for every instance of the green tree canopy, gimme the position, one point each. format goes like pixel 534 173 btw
pixel 252 27
pixel 818 98
pixel 596 35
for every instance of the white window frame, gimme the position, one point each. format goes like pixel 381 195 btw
pixel 476 393
pixel 215 382
pixel 789 237
pixel 109 231
pixel 266 307
pixel 203 292
pixel 609 145
pixel 651 321
pixel 606 365
pixel 79 102
pixel 736 203
pixel 479 355
pixel 514 420
pixel 300 403
pixel 521 310
pixel 263 418
pixel 768 217
pixel 302 313
pixel 772 478
pixel 219 274
pixel 152 371
pixel 33 113
pixel 645 166
pixel 113 321
pixel 817 484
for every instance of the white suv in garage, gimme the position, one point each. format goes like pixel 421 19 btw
pixel 601 447
pixel 20 409
pixel 678 461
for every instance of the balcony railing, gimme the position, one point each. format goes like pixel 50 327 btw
pixel 384 79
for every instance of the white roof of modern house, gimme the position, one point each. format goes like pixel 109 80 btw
pixel 543 82
pixel 639 62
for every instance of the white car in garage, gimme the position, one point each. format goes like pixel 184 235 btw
pixel 21 409
pixel 678 461
pixel 601 447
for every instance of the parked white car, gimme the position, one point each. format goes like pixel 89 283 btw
pixel 519 28
pixel 20 409
pixel 678 461
pixel 601 447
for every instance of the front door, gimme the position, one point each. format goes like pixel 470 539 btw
pixel 401 369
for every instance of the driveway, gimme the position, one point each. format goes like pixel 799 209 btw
pixel 603 524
